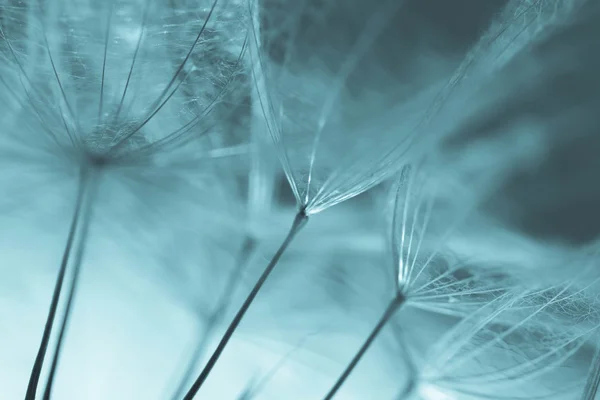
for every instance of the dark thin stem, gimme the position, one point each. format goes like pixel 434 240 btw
pixel 76 266
pixel 106 38
pixel 299 222
pixel 39 359
pixel 135 56
pixel 215 317
pixel 385 318
pixel 593 379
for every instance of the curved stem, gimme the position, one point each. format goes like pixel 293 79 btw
pixel 299 222
pixel 74 283
pixel 215 317
pixel 383 320
pixel 43 348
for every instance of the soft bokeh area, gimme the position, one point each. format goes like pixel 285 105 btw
pixel 312 199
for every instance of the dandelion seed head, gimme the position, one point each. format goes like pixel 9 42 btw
pixel 176 106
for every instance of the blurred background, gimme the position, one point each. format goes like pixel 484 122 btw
pixel 180 228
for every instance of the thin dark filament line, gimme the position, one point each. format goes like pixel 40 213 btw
pixel 385 318
pixel 136 158
pixel 22 105
pixel 135 55
pixel 299 222
pixel 178 133
pixel 371 32
pixel 39 360
pixel 24 74
pixel 161 100
pixel 268 110
pixel 44 124
pixel 62 91
pixel 74 283
pixel 268 377
pixel 106 38
pixel 173 137
pixel 215 317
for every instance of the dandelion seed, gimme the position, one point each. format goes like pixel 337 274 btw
pixel 315 119
pixel 102 113
pixel 165 116
pixel 323 107
pixel 329 123
pixel 429 207
pixel 518 359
